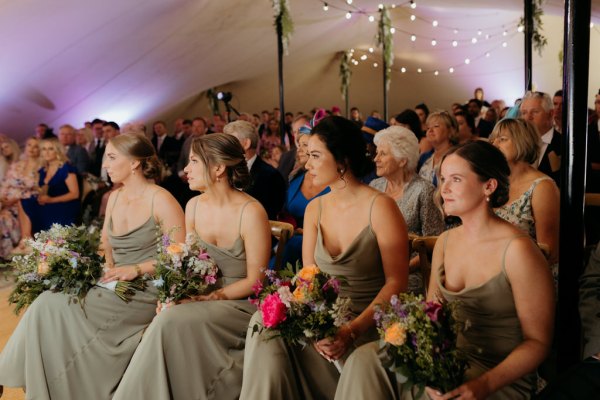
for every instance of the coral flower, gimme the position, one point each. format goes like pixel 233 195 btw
pixel 395 334
pixel 308 273
pixel 273 311
pixel 43 268
pixel 175 249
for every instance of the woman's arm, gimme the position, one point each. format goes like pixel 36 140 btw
pixel 72 194
pixel 104 243
pixel 545 204
pixel 256 234
pixel 309 237
pixel 533 293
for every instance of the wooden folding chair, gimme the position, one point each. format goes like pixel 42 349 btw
pixel 424 246
pixel 282 231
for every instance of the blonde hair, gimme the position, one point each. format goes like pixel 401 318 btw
pixel 449 121
pixel 524 136
pixel 403 144
pixel 61 154
pixel 16 150
pixel 139 148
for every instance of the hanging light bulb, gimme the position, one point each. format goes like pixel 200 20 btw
pixel 479 32
pixel 351 51
pixel 520 28
pixel 454 43
pixel 434 42
pixel 419 70
pixel 325 7
pixel 451 70
pixel 375 65
pixel 403 70
pixel 456 31
pixel 412 17
pixel 380 6
pixel 467 61
pixel 434 23
pixel 487 54
pixel 474 40
pixel 504 44
pixel 413 4
pixel 413 38
pixel 436 73
pixel 591 25
pixel 487 36
pixel 363 57
pixel 392 30
pixel 371 18
pixel 393 6
pixel 349 15
pixel 504 33
pixel 349 1
pixel 370 49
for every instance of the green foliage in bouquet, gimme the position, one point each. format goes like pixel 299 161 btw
pixel 63 259
pixel 418 342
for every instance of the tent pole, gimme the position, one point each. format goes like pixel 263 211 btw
pixel 572 241
pixel 280 67
pixel 528 13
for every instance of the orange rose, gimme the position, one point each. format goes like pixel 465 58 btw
pixel 395 334
pixel 308 273
pixel 43 268
pixel 299 294
pixel 175 249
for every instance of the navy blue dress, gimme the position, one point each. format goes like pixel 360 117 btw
pixel 64 213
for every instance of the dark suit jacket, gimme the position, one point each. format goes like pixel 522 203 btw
pixel 169 150
pixel 79 158
pixel 96 159
pixel 484 128
pixel 268 187
pixel 554 149
pixel 286 163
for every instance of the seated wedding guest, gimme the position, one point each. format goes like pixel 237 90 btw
pixel 356 117
pixel 270 138
pixel 58 200
pixel 371 126
pixel 77 155
pixel 423 112
pixel 85 138
pixel 275 156
pixel 268 186
pixel 500 279
pixel 20 182
pixel 288 161
pixel 43 131
pixel 299 193
pixel 410 120
pixel 396 162
pixel 10 151
pixel 442 133
pixel 61 350
pixel 195 350
pixel 167 147
pixel 466 127
pixel 534 201
pixel 483 128
pixel 353 231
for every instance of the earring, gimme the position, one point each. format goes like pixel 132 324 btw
pixel 487 198
pixel 218 179
pixel 133 172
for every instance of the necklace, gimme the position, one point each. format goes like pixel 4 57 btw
pixel 128 199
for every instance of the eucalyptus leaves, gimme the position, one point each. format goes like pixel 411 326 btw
pixel 281 9
pixel 385 40
pixel 538 39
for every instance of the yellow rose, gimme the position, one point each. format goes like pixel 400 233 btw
pixel 395 334
pixel 175 249
pixel 299 294
pixel 43 268
pixel 308 273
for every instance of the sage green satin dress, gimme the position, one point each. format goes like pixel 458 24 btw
pixel 63 352
pixel 274 370
pixel 195 350
pixel 492 332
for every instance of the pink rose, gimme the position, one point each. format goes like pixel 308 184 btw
pixel 433 310
pixel 273 311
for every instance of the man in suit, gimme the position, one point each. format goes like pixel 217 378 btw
pixel 268 186
pixel 76 154
pixel 96 149
pixel 538 109
pixel 167 147
pixel 288 159
pixel 483 127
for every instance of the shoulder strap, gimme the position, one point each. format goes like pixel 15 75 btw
pixel 241 214
pixel 152 205
pixel 115 201
pixel 506 249
pixel 319 214
pixel 371 207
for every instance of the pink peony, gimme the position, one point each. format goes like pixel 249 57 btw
pixel 273 311
pixel 433 310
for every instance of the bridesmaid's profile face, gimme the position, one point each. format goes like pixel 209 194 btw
pixel 321 164
pixel 460 187
pixel 117 165
pixel 195 171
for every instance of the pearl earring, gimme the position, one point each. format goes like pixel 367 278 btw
pixel 133 172
pixel 487 199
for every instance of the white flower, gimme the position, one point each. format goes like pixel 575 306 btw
pixel 285 295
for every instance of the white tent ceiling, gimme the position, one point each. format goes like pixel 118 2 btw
pixel 73 60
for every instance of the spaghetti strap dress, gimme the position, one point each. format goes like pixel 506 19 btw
pixel 195 350
pixel 492 331
pixel 274 370
pixel 62 351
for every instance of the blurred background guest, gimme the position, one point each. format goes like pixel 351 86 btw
pixel 442 133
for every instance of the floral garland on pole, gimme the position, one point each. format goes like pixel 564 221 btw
pixel 213 104
pixel 385 40
pixel 539 41
pixel 281 9
pixel 345 73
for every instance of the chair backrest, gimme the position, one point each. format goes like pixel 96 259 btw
pixel 282 231
pixel 424 246
pixel 592 199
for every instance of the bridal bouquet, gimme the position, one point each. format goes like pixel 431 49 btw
pixel 183 270
pixel 302 307
pixel 418 342
pixel 62 259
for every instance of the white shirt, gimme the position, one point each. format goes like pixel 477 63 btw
pixel 546 140
pixel 250 162
pixel 159 142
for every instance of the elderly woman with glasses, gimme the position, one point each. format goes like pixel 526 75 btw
pixel 396 162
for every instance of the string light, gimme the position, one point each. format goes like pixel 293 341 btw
pixel 325 7
pixel 451 70
pixel 413 5
pixel 487 36
pixel 419 70
pixel 434 23
pixel 487 54
pixel 520 28
pixel 371 18
pixel 375 65
pixel 392 30
pixel 413 38
pixel 412 17
pixel 479 32
pixel 456 31
pixel 349 2
pixel 436 73
pixel 434 42
pixel 454 43
pixel 349 15
pixel 370 49
pixel 467 61
pixel 504 44
pixel 474 40
pixel 504 33
pixel 591 25
pixel 403 70
pixel 380 6
pixel 363 57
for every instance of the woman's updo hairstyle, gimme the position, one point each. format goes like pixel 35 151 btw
pixel 344 140
pixel 488 163
pixel 221 148
pixel 139 148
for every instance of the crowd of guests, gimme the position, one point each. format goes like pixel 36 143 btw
pixel 353 190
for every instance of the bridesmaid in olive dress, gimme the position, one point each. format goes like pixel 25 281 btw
pixel 195 350
pixel 58 351
pixel 507 299
pixel 354 231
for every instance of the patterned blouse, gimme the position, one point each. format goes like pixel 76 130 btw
pixel 17 184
